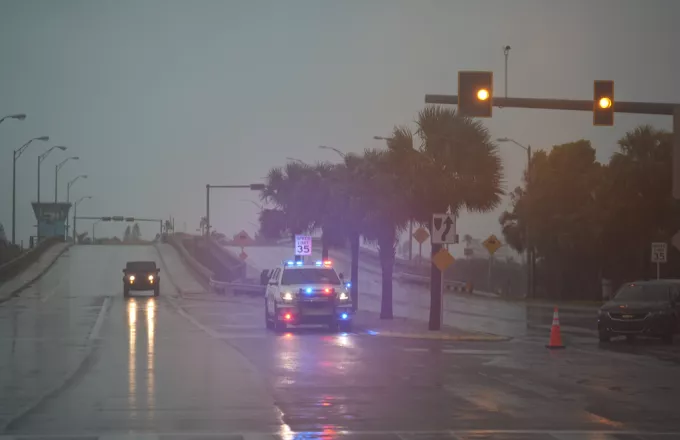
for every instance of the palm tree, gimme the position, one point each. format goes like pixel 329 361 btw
pixel 454 165
pixel 384 214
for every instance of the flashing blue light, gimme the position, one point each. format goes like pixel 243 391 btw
pixel 344 316
pixel 308 290
pixel 349 285
pixel 290 263
pixel 319 263
pixel 298 263
pixel 372 332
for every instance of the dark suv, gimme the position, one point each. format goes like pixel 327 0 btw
pixel 141 275
pixel 647 308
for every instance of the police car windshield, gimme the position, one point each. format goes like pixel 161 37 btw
pixel 644 292
pixel 309 276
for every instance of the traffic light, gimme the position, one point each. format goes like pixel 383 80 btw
pixel 129 219
pixel 603 103
pixel 118 218
pixel 475 94
pixel 106 219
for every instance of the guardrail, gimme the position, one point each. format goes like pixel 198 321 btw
pixel 201 271
pixel 13 267
pixel 221 288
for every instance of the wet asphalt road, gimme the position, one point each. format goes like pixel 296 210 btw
pixel 79 359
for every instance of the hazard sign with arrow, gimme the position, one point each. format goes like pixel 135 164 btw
pixel 444 229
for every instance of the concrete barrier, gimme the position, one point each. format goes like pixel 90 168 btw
pixel 203 274
pixel 14 267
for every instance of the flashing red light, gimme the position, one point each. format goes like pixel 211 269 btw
pixel 287 316
pixel 327 290
pixel 327 263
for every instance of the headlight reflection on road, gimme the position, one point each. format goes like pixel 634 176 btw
pixel 132 354
pixel 151 356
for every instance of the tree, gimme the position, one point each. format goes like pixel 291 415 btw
pixel 126 235
pixel 561 207
pixel 136 233
pixel 453 165
pixel 203 224
pixel 384 215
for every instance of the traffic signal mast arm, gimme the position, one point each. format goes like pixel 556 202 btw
pixel 646 108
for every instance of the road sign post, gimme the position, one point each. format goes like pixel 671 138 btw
pixel 420 235
pixel 443 231
pixel 303 245
pixel 659 255
pixel 492 244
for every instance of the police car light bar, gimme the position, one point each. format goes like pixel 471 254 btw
pixel 298 263
pixel 318 263
pixel 290 263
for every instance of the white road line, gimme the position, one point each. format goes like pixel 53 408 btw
pixel 52 292
pixel 94 334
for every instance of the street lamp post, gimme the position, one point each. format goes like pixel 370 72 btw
pixel 324 147
pixel 17 153
pixel 528 244
pixel 18 116
pixel 75 213
pixel 68 194
pixel 40 160
pixel 58 167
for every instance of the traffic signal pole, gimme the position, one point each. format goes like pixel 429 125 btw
pixel 645 108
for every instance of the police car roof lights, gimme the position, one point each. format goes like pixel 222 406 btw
pixel 290 263
pixel 298 263
pixel 319 263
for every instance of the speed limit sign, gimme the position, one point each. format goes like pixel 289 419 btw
pixel 303 245
pixel 659 252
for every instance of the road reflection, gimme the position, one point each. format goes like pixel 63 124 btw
pixel 142 313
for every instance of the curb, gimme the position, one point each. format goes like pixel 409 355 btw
pixel 443 337
pixel 17 291
pixel 170 277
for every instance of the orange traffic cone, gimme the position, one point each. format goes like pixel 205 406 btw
pixel 555 334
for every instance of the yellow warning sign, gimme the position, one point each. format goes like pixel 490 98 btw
pixel 443 259
pixel 492 244
pixel 421 235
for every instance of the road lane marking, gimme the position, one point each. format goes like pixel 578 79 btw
pixel 94 334
pixel 445 434
pixel 53 291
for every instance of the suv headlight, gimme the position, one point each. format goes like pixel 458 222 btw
pixel 131 277
pixel 343 296
pixel 286 296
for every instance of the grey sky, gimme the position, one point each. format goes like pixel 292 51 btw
pixel 159 98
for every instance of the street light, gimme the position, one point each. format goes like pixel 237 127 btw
pixel 57 167
pixel 40 159
pixel 43 157
pixel 75 213
pixel 18 116
pixel 529 251
pixel 68 193
pixel 254 203
pixel 324 147
pixel 17 153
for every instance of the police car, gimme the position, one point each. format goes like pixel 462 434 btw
pixel 299 293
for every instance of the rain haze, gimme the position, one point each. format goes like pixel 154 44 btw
pixel 158 98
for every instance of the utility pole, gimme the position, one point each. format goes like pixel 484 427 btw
pixel 506 52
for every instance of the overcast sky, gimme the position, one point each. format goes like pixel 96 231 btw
pixel 160 97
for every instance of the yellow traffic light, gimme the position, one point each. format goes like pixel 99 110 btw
pixel 603 103
pixel 475 94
